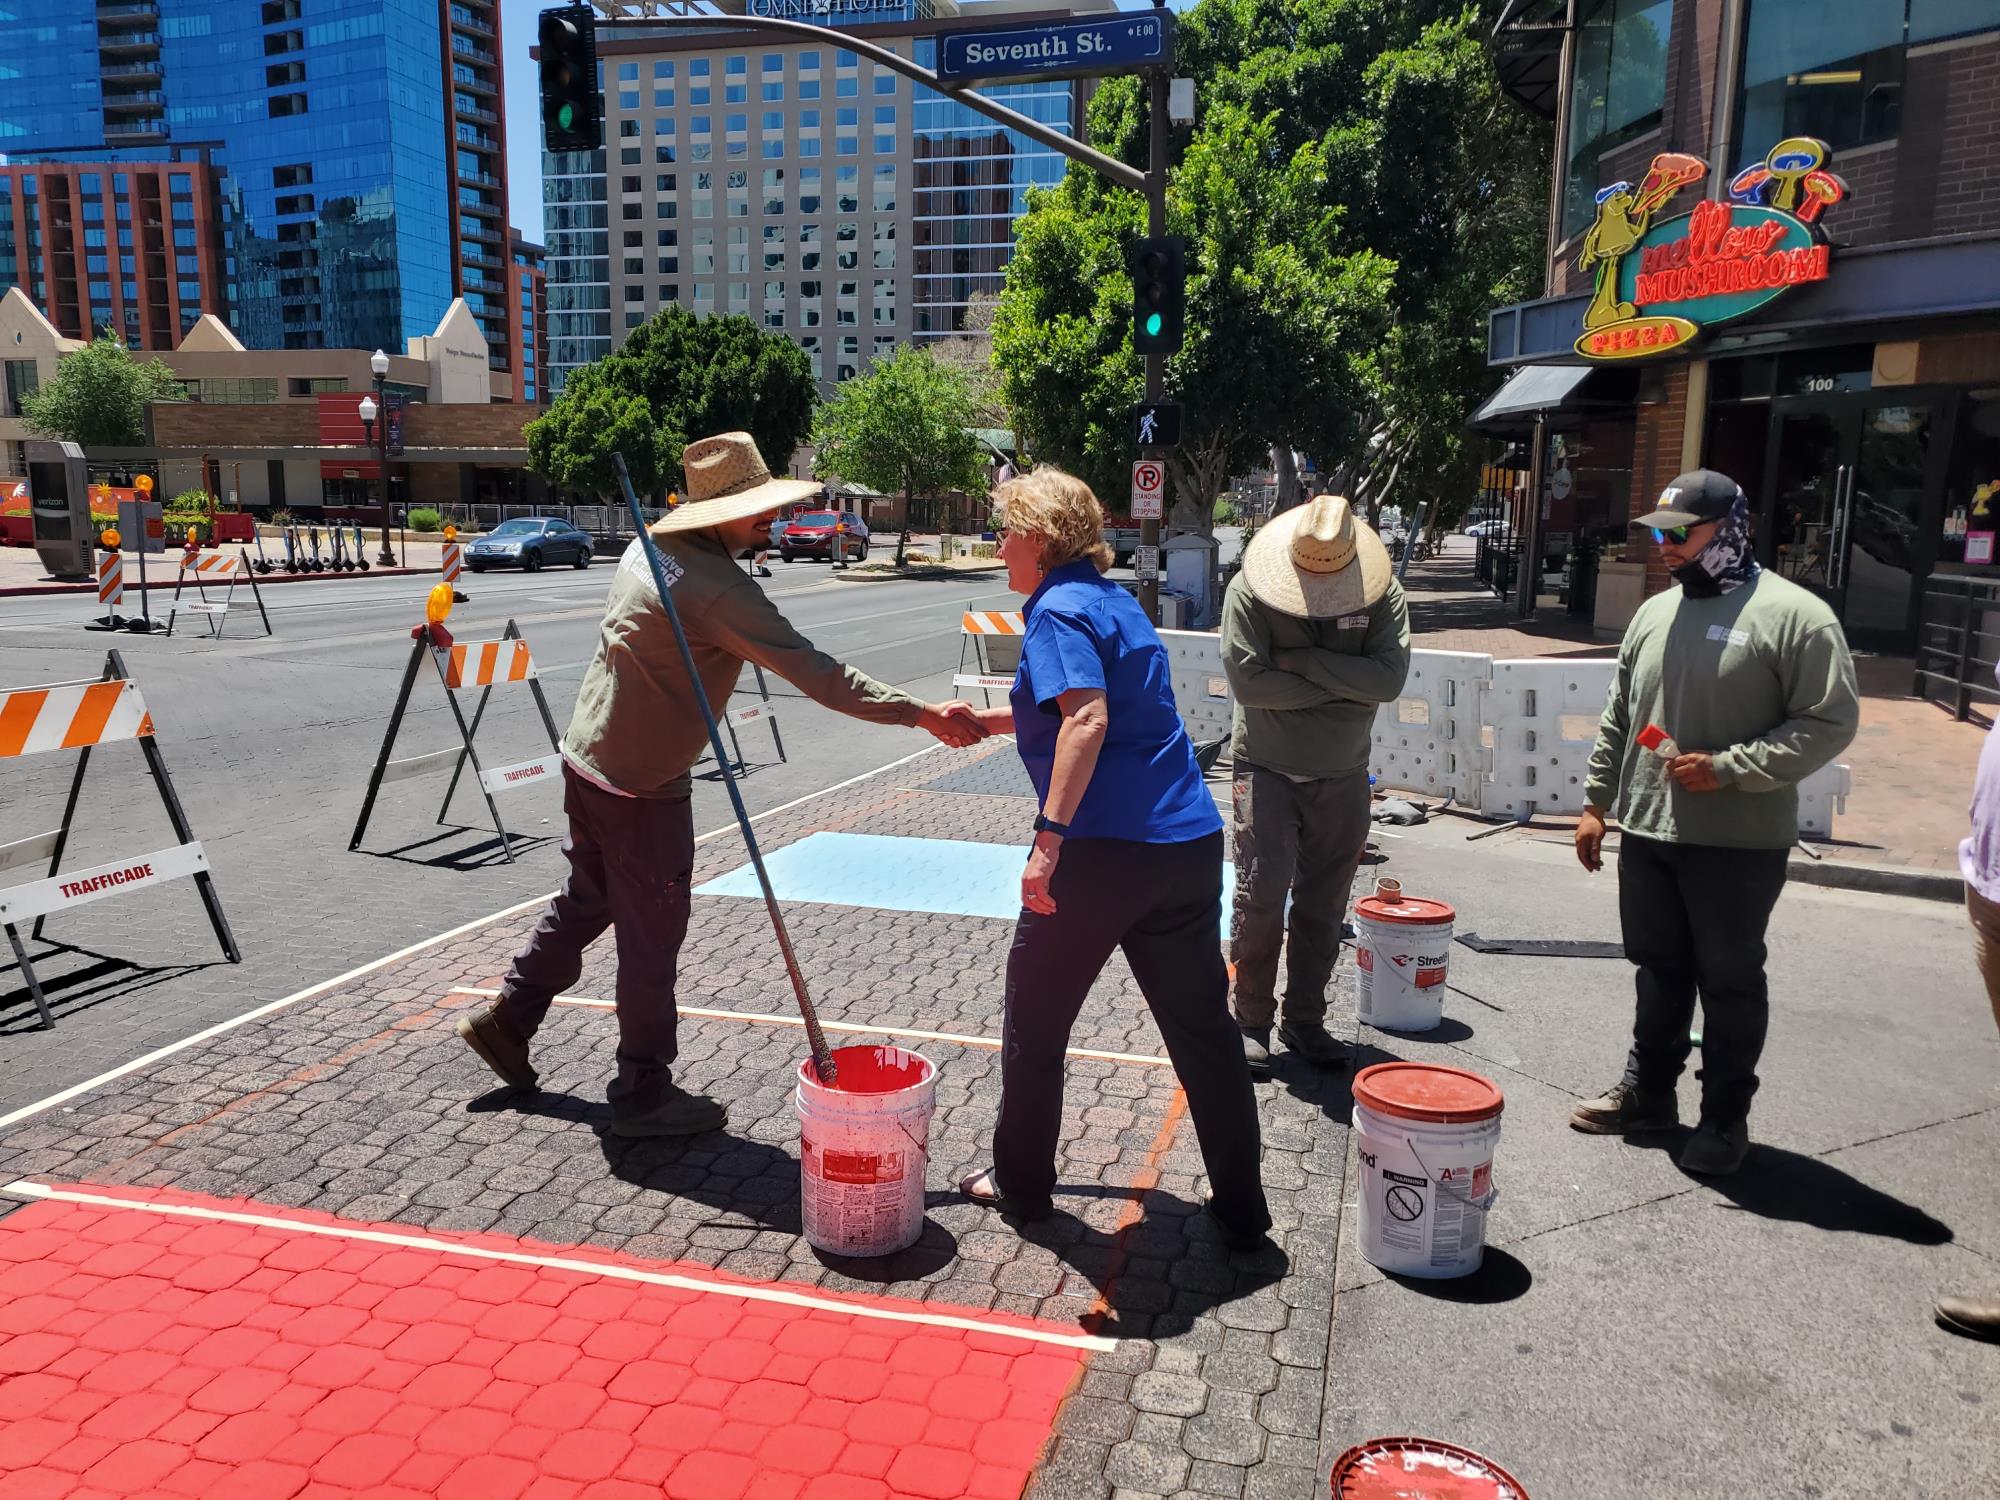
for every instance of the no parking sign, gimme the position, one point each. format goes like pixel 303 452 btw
pixel 1149 486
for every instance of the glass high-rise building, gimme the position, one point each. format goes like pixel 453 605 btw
pixel 795 182
pixel 358 148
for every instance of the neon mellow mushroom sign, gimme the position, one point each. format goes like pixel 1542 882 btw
pixel 1659 286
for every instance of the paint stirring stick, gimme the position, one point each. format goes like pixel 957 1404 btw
pixel 822 1054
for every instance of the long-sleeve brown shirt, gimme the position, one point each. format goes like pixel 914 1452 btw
pixel 636 727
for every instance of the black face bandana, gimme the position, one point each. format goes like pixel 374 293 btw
pixel 1726 563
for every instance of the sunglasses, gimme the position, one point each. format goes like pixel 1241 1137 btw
pixel 1675 534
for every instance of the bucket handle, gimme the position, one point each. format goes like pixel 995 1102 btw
pixel 1492 1191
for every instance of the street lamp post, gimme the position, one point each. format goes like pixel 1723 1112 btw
pixel 373 407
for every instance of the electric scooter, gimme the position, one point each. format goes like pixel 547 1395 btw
pixel 319 564
pixel 336 542
pixel 360 549
pixel 292 564
pixel 263 564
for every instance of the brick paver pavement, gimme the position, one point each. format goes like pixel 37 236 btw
pixel 362 1104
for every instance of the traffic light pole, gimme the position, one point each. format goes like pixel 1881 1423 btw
pixel 1156 363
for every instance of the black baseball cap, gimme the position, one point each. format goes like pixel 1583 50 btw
pixel 1693 499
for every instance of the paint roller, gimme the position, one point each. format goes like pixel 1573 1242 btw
pixel 822 1054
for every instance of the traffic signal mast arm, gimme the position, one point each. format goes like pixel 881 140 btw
pixel 1109 168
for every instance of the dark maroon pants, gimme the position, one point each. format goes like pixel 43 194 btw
pixel 630 863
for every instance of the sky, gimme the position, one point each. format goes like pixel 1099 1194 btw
pixel 524 109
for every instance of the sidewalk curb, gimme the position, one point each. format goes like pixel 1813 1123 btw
pixel 928 574
pixel 32 590
pixel 1882 880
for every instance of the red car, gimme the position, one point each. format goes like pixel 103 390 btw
pixel 813 535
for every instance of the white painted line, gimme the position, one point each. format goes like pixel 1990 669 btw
pixel 847 1026
pixel 63 1096
pixel 812 1301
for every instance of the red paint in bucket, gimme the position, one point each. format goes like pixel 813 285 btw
pixel 872 1070
pixel 1411 1468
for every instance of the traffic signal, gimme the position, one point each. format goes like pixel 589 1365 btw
pixel 1159 295
pixel 567 44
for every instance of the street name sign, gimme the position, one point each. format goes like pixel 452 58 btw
pixel 1149 487
pixel 1070 49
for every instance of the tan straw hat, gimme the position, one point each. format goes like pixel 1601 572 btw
pixel 728 481
pixel 1317 560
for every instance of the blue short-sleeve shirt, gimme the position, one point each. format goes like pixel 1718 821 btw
pixel 1083 631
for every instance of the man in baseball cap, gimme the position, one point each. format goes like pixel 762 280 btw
pixel 1732 687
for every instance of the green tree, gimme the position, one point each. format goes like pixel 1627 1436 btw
pixel 904 426
pixel 676 378
pixel 1355 194
pixel 99 396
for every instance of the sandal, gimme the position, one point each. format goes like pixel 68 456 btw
pixel 983 1187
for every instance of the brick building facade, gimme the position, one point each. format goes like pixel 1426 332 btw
pixel 1861 411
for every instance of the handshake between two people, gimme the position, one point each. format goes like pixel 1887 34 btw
pixel 956 723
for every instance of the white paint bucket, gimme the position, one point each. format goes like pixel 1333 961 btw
pixel 1402 947
pixel 863 1149
pixel 1424 1137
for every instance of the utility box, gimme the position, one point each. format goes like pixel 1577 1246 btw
pixel 59 499
pixel 1189 566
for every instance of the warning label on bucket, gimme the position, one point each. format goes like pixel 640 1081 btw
pixel 1403 1210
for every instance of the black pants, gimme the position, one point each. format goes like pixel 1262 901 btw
pixel 1694 918
pixel 1162 904
pixel 630 863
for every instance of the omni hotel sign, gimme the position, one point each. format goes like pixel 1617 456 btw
pixel 1659 286
pixel 811 10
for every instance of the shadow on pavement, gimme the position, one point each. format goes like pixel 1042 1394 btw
pixel 485 854
pixel 71 992
pixel 1779 1184
pixel 1500 1278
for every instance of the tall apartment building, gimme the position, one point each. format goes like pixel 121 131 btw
pixel 528 290
pixel 795 182
pixel 358 145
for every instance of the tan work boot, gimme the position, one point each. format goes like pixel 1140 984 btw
pixel 498 1048
pixel 1973 1319
pixel 1625 1109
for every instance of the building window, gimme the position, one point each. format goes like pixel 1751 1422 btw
pixel 885 83
pixel 774 190
pixel 628 72
pixel 885 347
pixel 774 93
pixel 774 247
pixel 885 244
pixel 885 188
pixel 663 69
pixel 809 247
pixel 809 190
pixel 628 98
pixel 1833 69
pixel 1619 87
pixel 811 347
pixel 663 98
pixel 847 190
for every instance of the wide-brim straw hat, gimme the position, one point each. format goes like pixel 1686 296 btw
pixel 1316 561
pixel 727 480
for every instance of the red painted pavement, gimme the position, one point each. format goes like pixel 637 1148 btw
pixel 143 1356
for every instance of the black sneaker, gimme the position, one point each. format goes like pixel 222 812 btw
pixel 498 1048
pixel 1716 1150
pixel 1625 1109
pixel 675 1112
pixel 1237 1236
pixel 1313 1042
pixel 1257 1050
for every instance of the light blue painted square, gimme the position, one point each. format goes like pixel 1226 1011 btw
pixel 946 876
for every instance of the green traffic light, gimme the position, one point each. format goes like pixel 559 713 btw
pixel 566 116
pixel 1154 323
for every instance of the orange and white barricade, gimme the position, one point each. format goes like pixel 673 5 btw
pixel 110 589
pixel 81 716
pixel 222 570
pixel 451 563
pixel 993 634
pixel 463 665
pixel 763 711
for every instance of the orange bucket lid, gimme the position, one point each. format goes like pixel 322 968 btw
pixel 1427 1091
pixel 1413 911
pixel 1413 1468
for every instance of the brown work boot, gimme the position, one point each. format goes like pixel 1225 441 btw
pixel 1972 1319
pixel 1257 1050
pixel 486 1034
pixel 1313 1042
pixel 1626 1109
pixel 674 1111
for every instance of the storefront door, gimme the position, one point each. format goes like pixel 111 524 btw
pixel 1849 503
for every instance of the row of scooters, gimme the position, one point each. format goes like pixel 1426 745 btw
pixel 303 555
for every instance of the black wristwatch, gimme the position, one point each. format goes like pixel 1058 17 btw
pixel 1050 825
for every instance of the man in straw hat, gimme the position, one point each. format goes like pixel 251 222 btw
pixel 634 735
pixel 1315 637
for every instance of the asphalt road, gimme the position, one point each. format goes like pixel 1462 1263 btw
pixel 270 741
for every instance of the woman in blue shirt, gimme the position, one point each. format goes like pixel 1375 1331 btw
pixel 1127 854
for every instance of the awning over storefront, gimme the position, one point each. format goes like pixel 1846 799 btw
pixel 1530 392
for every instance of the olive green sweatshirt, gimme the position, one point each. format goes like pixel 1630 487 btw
pixel 1761 678
pixel 1306 691
pixel 636 726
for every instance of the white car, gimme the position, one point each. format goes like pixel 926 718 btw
pixel 1486 528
